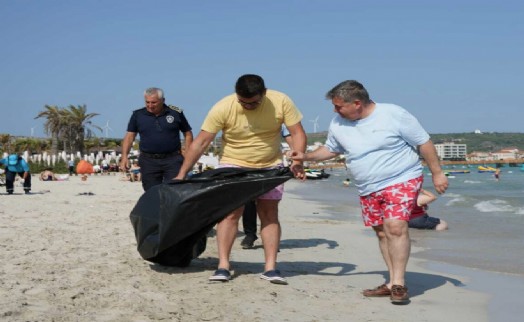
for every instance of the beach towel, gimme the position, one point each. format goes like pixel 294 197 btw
pixel 171 220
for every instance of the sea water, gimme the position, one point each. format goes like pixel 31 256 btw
pixel 485 217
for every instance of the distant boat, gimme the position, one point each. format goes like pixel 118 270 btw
pixel 486 169
pixel 314 174
pixel 447 172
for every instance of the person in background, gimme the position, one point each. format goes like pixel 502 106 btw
pixel 380 142
pixel 71 165
pixel 16 165
pixel 419 217
pixel 134 172
pixel 250 121
pixel 159 126
pixel 104 166
pixel 497 174
pixel 249 216
pixel 47 175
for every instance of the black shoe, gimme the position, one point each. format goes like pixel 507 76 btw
pixel 248 241
pixel 27 192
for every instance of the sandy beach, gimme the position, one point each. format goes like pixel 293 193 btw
pixel 68 253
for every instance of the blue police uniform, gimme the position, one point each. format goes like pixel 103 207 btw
pixel 16 165
pixel 160 158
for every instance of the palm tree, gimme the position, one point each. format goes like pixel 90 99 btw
pixel 27 144
pixel 80 125
pixel 52 125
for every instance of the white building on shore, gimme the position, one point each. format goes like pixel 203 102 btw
pixel 451 151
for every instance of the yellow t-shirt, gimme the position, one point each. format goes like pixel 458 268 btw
pixel 251 138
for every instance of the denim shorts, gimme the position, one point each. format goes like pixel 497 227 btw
pixel 424 222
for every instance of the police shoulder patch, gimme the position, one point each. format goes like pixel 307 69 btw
pixel 175 108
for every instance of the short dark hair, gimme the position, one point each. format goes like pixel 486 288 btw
pixel 250 85
pixel 349 91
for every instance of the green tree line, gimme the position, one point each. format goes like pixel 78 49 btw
pixel 71 129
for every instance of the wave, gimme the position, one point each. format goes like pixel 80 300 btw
pixel 455 201
pixel 472 181
pixel 496 205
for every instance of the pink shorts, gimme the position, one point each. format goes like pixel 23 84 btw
pixel 273 194
pixel 393 202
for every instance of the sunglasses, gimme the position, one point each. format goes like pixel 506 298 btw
pixel 255 103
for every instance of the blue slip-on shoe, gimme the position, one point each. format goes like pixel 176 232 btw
pixel 274 277
pixel 220 275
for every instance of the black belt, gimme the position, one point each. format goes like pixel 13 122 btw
pixel 159 155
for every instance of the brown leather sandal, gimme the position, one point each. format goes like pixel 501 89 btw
pixel 378 291
pixel 399 294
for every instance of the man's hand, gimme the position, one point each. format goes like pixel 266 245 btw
pixel 123 164
pixel 440 182
pixel 298 170
pixel 295 155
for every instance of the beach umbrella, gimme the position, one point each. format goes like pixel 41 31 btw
pixel 171 220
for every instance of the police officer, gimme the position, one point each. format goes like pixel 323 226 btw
pixel 159 126
pixel 16 165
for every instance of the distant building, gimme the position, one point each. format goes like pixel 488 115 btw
pixel 451 151
pixel 503 154
pixel 478 131
pixel 507 153
pixel 480 156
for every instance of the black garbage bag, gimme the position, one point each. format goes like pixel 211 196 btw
pixel 171 220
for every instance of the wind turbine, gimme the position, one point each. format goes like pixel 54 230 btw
pixel 315 124
pixel 107 129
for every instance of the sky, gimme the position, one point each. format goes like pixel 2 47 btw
pixel 457 66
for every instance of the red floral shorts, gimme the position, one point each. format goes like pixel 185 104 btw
pixel 393 202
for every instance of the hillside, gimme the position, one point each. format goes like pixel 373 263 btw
pixel 485 142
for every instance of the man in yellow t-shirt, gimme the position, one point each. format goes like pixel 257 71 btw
pixel 251 122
